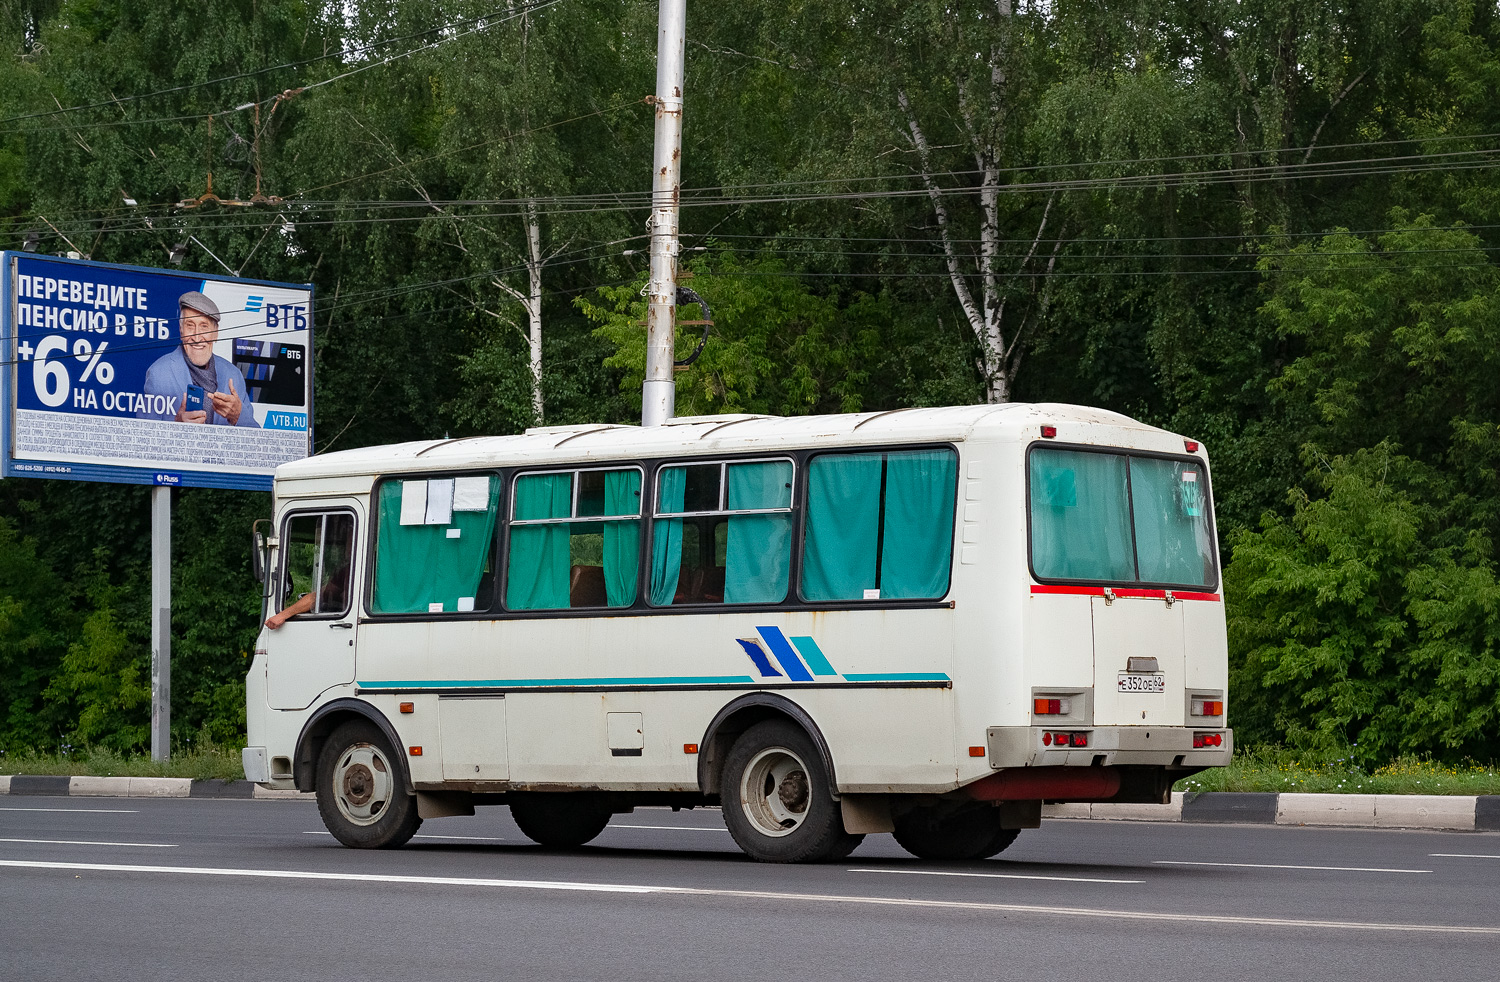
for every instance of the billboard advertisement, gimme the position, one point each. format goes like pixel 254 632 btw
pixel 149 376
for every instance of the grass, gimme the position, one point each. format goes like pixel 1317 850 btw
pixel 201 759
pixel 1278 769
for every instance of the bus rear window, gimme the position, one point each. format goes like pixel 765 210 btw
pixel 1117 518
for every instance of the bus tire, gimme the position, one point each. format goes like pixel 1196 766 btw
pixel 778 800
pixel 362 789
pixel 558 821
pixel 970 833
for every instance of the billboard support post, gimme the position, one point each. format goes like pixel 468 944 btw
pixel 161 623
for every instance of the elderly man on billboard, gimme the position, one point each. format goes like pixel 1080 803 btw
pixel 203 387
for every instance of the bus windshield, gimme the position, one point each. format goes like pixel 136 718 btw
pixel 1119 518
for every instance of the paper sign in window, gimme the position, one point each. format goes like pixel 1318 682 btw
pixel 413 502
pixel 471 494
pixel 440 502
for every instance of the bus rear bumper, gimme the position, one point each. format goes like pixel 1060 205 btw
pixel 1108 746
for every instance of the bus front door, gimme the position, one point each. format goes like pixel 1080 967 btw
pixel 1138 662
pixel 313 649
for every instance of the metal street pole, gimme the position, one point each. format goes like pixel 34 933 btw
pixel 659 391
pixel 161 623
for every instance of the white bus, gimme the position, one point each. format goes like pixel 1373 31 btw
pixel 925 622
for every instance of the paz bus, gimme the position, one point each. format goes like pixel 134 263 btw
pixel 926 622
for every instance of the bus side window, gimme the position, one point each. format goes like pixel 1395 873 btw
pixel 722 533
pixel 434 545
pixel 574 539
pixel 879 525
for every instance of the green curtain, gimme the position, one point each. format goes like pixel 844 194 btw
pixel 758 556
pixel 917 541
pixel 622 539
pixel 538 571
pixel 418 565
pixel 666 536
pixel 843 512
pixel 1080 516
pixel 1172 536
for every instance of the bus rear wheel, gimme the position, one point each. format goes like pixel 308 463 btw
pixel 362 791
pixel 778 799
pixel 559 821
pixel 970 833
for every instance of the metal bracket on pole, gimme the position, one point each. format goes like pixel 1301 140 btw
pixel 659 391
pixel 161 623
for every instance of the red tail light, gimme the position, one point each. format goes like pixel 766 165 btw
pixel 1192 445
pixel 1048 432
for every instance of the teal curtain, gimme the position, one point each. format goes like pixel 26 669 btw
pixel 843 515
pixel 666 536
pixel 916 552
pixel 1080 516
pixel 758 556
pixel 419 565
pixel 538 571
pixel 1172 536
pixel 622 539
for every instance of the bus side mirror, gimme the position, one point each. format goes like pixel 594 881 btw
pixel 259 550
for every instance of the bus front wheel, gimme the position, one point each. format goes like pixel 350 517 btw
pixel 778 800
pixel 361 794
pixel 971 833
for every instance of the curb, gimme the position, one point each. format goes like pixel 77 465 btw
pixel 138 787
pixel 1446 813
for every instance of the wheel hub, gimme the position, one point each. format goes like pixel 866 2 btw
pixel 363 784
pixel 775 792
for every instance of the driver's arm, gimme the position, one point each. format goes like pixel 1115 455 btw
pixel 302 605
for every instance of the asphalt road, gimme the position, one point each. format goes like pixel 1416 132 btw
pixel 111 888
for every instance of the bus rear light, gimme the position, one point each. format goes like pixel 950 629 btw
pixel 1048 432
pixel 414 751
pixel 1201 740
pixel 1052 707
pixel 1192 445
pixel 1065 739
pixel 1208 707
pixel 689 748
pixel 1080 739
pixel 407 707
pixel 976 751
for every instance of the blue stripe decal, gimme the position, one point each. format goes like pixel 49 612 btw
pixel 538 683
pixel 779 646
pixel 899 677
pixel 813 655
pixel 758 655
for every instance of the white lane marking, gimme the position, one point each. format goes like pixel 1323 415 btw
pixel 668 828
pixel 95 811
pixel 996 876
pixel 85 842
pixel 1173 917
pixel 1463 855
pixel 1340 869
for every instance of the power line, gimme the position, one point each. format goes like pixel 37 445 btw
pixel 350 51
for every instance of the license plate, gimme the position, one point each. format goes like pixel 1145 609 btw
pixel 1143 683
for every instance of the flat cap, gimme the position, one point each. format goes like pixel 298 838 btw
pixel 193 300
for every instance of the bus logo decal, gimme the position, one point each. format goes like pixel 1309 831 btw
pixel 796 668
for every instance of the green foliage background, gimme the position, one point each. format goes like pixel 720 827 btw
pixel 1274 224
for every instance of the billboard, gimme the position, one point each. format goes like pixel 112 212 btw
pixel 148 376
